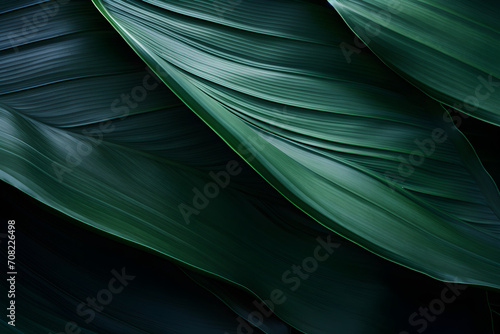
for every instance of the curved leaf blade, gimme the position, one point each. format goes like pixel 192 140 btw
pixel 345 128
pixel 449 49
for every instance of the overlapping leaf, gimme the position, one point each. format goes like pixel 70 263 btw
pixel 125 167
pixel 353 145
pixel 65 282
pixel 77 135
pixel 449 49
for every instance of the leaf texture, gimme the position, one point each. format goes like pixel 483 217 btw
pixel 355 147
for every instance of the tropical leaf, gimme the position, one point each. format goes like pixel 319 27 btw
pixel 449 49
pixel 63 265
pixel 354 146
pixel 65 282
pixel 77 135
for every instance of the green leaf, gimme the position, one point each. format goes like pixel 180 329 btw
pixel 68 283
pixel 448 49
pixel 331 137
pixel 77 135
